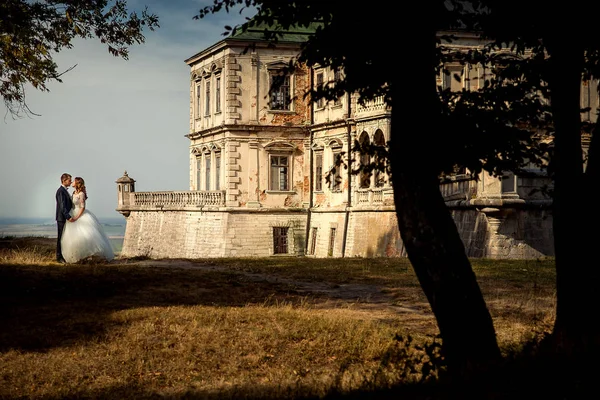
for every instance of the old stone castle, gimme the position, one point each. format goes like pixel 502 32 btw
pixel 259 161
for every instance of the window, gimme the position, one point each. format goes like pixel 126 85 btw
pixel 476 76
pixel 365 161
pixel 321 101
pixel 207 101
pixel 207 171
pixel 331 242
pixel 508 183
pixel 279 173
pixel 218 171
pixel 280 92
pixel 198 97
pixel 379 142
pixel 337 77
pixel 218 95
pixel 453 78
pixel 319 171
pixel 280 155
pixel 586 96
pixel 313 241
pixel 336 173
pixel 280 242
pixel 208 167
pixel 198 172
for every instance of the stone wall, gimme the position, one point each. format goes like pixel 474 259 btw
pixel 206 234
pixel 325 224
pixel 508 233
pixel 374 234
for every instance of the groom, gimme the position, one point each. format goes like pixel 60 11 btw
pixel 63 211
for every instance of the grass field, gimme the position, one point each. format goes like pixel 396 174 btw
pixel 271 328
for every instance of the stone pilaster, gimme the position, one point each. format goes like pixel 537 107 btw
pixel 233 179
pixel 253 176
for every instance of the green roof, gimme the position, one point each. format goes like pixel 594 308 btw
pixel 294 34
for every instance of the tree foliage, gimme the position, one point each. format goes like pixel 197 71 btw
pixel 32 32
pixel 564 41
pixel 500 126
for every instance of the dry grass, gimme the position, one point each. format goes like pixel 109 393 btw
pixel 232 328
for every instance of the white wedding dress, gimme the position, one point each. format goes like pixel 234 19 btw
pixel 84 237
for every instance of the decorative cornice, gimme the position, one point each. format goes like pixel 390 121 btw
pixel 280 145
pixel 247 128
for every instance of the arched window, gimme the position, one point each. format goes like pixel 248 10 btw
pixel 197 154
pixel 365 161
pixel 208 167
pixel 318 167
pixel 217 156
pixel 379 158
pixel 335 173
pixel 198 109
pixel 337 77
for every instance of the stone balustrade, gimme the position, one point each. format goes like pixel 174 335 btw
pixel 376 105
pixel 459 187
pixel 178 199
pixel 374 196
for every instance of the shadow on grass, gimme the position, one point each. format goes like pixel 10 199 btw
pixel 42 307
pixel 266 392
pixel 526 380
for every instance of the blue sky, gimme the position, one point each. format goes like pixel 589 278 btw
pixel 110 115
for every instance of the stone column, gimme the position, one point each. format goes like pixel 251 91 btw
pixel 496 241
pixel 232 179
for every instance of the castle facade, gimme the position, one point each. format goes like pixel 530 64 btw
pixel 264 180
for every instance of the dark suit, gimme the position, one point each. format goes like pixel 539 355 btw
pixel 63 210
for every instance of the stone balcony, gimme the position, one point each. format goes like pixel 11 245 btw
pixel 179 200
pixel 375 107
pixel 382 196
pixel 459 187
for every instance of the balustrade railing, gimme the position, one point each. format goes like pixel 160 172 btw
pixel 377 104
pixel 370 196
pixel 459 187
pixel 179 199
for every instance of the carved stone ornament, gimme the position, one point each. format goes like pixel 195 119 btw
pixel 281 146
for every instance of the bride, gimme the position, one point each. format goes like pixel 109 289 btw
pixel 84 237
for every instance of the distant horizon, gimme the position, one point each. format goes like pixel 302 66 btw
pixel 17 220
pixel 46 227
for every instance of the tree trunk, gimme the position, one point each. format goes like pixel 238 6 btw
pixel 427 228
pixel 437 255
pixel 574 335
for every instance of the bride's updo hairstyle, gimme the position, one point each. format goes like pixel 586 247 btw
pixel 80 185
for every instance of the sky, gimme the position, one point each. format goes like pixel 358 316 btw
pixel 109 116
